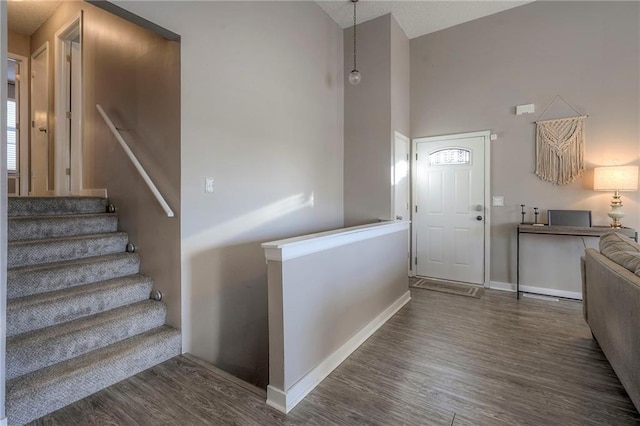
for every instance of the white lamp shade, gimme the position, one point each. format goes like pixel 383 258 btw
pixel 615 178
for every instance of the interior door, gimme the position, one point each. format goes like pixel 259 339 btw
pixel 39 148
pixel 450 208
pixel 401 177
pixel 401 184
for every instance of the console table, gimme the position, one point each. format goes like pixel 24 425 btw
pixel 574 231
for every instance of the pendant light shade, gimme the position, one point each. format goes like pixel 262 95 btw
pixel 354 76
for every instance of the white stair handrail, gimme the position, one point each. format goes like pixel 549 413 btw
pixel 135 162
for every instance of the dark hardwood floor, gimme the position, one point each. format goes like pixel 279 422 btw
pixel 442 360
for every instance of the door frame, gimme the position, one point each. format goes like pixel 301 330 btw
pixel 23 124
pixel 43 48
pixel 67 154
pixel 486 134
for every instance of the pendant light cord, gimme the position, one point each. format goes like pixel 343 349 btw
pixel 354 34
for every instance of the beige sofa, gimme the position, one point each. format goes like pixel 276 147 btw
pixel 611 301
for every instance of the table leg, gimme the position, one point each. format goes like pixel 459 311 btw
pixel 518 265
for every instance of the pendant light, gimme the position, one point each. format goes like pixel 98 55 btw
pixel 354 76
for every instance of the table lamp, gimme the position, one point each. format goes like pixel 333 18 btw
pixel 616 179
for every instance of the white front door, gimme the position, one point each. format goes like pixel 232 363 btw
pixel 39 150
pixel 450 202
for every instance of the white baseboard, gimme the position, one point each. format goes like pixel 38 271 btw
pixel 497 285
pixel 97 192
pixel 284 401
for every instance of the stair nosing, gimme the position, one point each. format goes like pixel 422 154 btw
pixel 56 295
pixel 71 262
pixel 116 234
pixel 63 216
pixel 85 323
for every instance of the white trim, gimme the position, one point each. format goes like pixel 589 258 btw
pixel 497 285
pixel 486 134
pixel 3 422
pixel 487 207
pixel 23 120
pixel 284 401
pixel 67 154
pixel 307 244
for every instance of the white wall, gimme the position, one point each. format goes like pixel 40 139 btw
pixel 262 113
pixel 471 76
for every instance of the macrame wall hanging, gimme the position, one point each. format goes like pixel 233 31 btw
pixel 560 147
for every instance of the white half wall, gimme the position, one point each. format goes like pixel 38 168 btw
pixel 327 294
pixel 262 114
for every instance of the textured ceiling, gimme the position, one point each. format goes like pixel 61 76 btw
pixel 26 16
pixel 416 17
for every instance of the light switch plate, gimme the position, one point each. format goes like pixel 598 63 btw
pixel 209 185
pixel 497 201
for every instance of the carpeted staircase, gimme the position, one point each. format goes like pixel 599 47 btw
pixel 79 316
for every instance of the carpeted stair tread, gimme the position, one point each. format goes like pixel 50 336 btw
pixel 47 309
pixel 36 394
pixel 42 348
pixel 47 206
pixel 41 227
pixel 28 280
pixel 24 253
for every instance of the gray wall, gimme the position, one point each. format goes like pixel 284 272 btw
pixel 374 109
pixel 470 77
pixel 135 76
pixel 262 113
pixel 400 81
pixel 367 123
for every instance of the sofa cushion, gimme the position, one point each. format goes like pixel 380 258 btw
pixel 621 250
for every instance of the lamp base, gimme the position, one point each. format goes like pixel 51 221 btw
pixel 616 211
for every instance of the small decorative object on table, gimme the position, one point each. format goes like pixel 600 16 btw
pixel 536 213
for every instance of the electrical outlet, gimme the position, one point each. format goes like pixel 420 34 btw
pixel 208 185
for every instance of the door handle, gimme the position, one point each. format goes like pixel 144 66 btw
pixel 478 217
pixel 42 129
pixel 398 217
